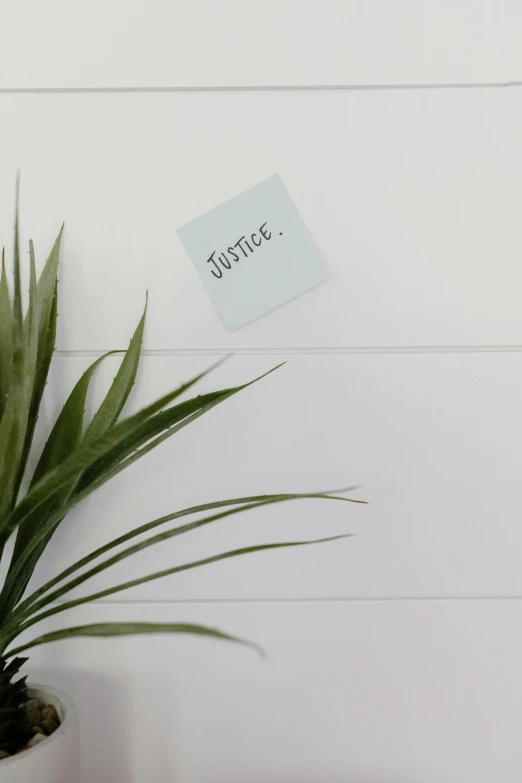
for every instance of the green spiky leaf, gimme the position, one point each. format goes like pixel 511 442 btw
pixel 111 407
pixel 246 502
pixel 6 339
pixel 78 459
pixel 32 605
pixel 65 437
pixel 132 629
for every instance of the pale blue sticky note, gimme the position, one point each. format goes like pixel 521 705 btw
pixel 254 252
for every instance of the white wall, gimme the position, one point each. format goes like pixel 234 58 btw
pixel 396 656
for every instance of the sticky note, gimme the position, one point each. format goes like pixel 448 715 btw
pixel 254 253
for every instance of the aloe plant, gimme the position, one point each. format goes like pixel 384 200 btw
pixel 78 459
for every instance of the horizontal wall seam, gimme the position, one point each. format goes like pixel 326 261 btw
pixel 265 88
pixel 310 600
pixel 285 351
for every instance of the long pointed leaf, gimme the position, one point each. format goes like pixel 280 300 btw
pixel 63 440
pixel 27 560
pixel 6 339
pixel 14 421
pixel 31 605
pixel 138 531
pixel 67 431
pixel 47 313
pixel 17 299
pixel 131 629
pixel 31 357
pixel 115 460
pixel 46 289
pixel 132 449
pixel 31 319
pixel 88 453
pixel 159 575
pixel 113 404
pixel 47 488
pixel 92 487
pixel 144 433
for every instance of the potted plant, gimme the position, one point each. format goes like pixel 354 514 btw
pixel 38 730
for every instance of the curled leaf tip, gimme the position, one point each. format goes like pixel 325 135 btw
pixel 259 650
pixel 277 367
pixel 220 361
pixel 351 488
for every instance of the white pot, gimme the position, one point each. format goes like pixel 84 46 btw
pixel 57 758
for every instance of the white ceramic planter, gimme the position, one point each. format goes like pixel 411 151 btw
pixel 57 758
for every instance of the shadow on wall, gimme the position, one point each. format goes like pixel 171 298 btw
pixel 107 755
pixel 103 709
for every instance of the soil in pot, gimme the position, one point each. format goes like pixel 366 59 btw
pixel 42 720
